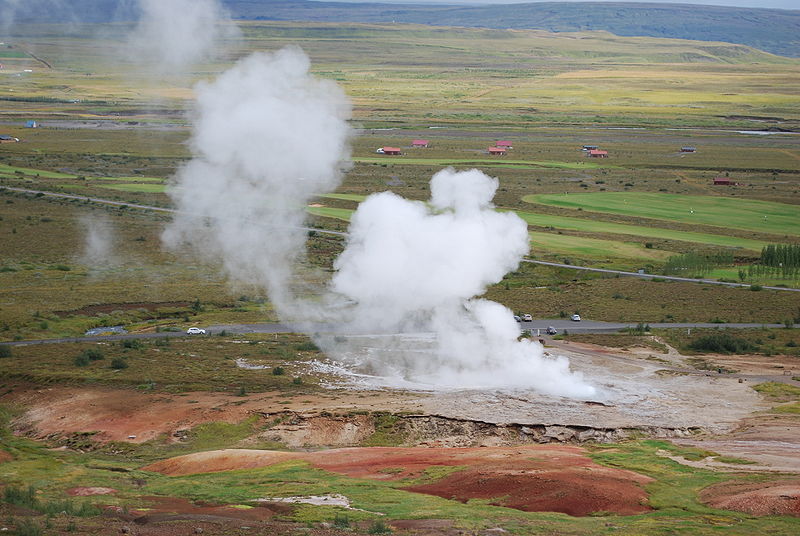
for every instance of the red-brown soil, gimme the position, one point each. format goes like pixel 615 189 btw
pixel 5 456
pixel 780 497
pixel 541 478
pixel 173 509
pixel 136 416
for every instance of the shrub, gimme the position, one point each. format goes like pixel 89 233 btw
pixel 27 527
pixel 756 288
pixel 132 344
pixel 721 343
pixel 81 360
pixel 119 363
pixel 307 347
pixel 93 354
pixel 297 381
pixel 5 351
pixel 278 371
pixel 378 527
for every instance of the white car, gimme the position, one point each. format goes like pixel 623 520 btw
pixel 527 318
pixel 576 318
pixel 195 331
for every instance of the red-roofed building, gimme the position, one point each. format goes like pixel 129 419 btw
pixel 501 151
pixel 419 143
pixel 507 144
pixel 723 181
pixel 597 153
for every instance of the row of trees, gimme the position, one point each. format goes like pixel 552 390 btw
pixel 696 264
pixel 779 260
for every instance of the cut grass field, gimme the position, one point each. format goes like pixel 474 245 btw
pixel 552 243
pixel 587 247
pixel 749 214
pixel 495 162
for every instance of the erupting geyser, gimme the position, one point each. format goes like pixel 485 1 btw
pixel 268 137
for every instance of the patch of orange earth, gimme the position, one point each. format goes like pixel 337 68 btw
pixel 215 461
pixel 778 497
pixel 5 456
pixel 135 416
pixel 541 478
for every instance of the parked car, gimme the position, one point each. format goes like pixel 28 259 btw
pixel 195 331
pixel 551 330
pixel 576 318
pixel 527 318
pixel 518 318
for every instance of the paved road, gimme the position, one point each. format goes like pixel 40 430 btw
pixel 340 233
pixel 586 326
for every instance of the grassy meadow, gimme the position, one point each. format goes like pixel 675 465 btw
pixel 766 217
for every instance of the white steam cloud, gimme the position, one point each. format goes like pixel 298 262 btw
pixel 175 34
pixel 98 248
pixel 267 138
pixel 409 265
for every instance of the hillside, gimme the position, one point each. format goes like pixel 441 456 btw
pixel 773 30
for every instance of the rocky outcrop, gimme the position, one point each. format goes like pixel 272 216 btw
pixel 316 430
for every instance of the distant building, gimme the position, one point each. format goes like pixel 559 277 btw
pixel 419 143
pixel 499 151
pixel 8 139
pixel 597 153
pixel 723 181
pixel 391 151
pixel 31 124
pixel 505 144
pixel 589 147
pixel 688 149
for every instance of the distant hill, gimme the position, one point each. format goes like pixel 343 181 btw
pixel 773 30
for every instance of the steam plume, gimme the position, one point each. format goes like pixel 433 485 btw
pixel 267 138
pixel 415 266
pixel 98 248
pixel 175 34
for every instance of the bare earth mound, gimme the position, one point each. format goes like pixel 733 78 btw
pixel 781 497
pixel 531 478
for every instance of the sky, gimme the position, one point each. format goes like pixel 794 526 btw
pixel 777 4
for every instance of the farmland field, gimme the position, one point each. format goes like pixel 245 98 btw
pixel 774 218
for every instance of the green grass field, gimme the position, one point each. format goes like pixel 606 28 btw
pixel 749 214
pixel 494 162
pixel 133 187
pixel 552 243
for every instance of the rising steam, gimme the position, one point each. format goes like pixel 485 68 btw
pixel 268 137
pixel 98 248
pixel 175 34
